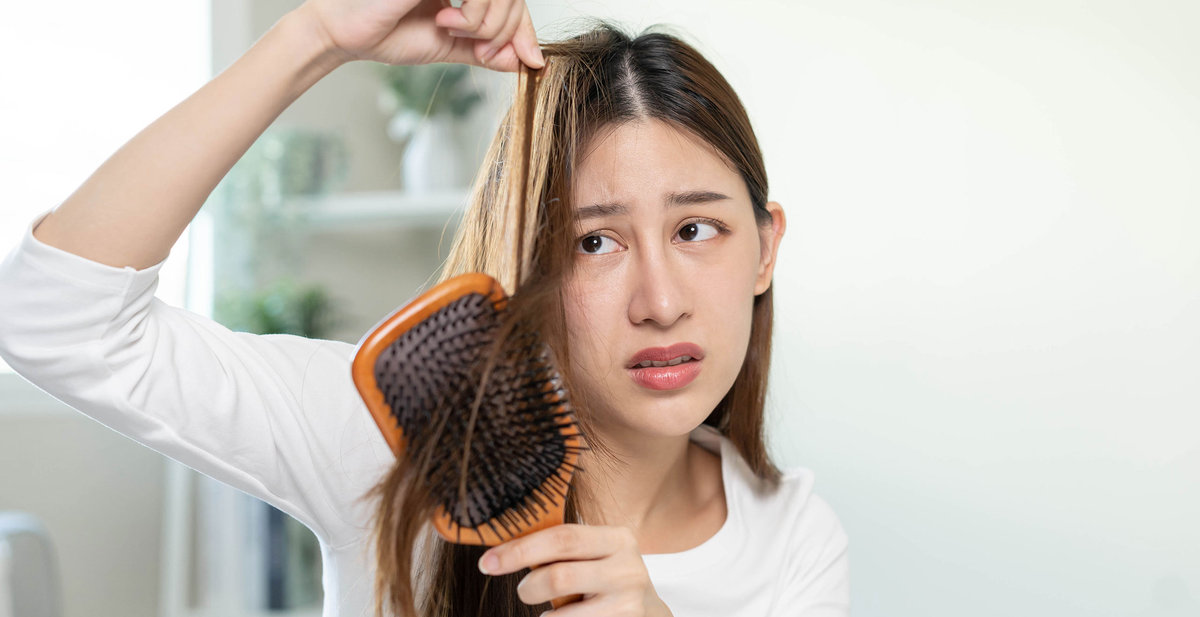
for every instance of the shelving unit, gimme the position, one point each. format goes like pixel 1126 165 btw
pixel 389 208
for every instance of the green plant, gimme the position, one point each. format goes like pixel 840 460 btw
pixel 284 307
pixel 431 89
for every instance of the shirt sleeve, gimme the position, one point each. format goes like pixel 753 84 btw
pixel 276 416
pixel 817 577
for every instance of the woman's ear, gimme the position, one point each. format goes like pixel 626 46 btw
pixel 769 238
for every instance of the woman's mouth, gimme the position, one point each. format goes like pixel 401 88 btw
pixel 650 363
pixel 666 368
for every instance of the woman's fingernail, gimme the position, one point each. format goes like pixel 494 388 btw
pixel 488 563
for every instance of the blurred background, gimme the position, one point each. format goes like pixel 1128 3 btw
pixel 988 299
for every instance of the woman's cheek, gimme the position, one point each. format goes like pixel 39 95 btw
pixel 588 317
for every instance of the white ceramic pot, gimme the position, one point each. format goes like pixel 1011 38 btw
pixel 433 160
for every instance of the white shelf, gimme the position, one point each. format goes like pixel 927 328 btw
pixel 373 208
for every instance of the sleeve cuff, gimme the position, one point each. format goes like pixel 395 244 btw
pixel 82 271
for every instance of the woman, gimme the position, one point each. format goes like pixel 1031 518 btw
pixel 647 198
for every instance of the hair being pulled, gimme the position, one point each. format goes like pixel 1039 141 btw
pixel 519 229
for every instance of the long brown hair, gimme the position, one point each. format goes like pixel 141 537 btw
pixel 519 228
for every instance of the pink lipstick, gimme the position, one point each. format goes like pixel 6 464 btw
pixel 666 368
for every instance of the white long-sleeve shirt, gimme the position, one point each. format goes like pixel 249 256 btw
pixel 278 417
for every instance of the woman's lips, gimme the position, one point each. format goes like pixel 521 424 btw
pixel 666 377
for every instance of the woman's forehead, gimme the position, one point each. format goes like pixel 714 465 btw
pixel 639 133
pixel 651 159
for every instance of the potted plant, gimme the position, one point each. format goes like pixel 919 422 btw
pixel 425 101
pixel 283 307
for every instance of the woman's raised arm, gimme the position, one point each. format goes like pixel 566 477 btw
pixel 135 206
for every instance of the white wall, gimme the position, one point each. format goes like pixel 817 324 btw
pixel 99 496
pixel 989 294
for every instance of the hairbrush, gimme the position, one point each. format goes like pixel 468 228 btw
pixel 424 375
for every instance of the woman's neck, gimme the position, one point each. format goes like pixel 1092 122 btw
pixel 667 490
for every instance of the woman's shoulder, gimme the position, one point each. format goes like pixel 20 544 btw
pixel 792 497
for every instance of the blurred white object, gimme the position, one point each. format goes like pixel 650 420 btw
pixel 6 603
pixel 29 585
pixel 432 159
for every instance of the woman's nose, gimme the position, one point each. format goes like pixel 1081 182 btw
pixel 658 291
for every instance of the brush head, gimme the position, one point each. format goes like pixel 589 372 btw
pixel 446 378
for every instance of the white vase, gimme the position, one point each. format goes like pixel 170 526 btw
pixel 432 161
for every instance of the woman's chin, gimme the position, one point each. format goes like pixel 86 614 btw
pixel 658 419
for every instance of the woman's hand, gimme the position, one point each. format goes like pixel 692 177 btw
pixel 600 563
pixel 497 34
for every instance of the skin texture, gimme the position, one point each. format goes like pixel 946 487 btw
pixel 645 277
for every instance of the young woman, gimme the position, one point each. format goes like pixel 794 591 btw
pixel 647 210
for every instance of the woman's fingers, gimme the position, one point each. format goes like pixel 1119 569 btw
pixel 478 19
pixel 525 42
pixel 511 21
pixel 599 606
pixel 467 51
pixel 558 543
pixel 523 48
pixel 504 60
pixel 564 579
pixel 501 39
pixel 601 564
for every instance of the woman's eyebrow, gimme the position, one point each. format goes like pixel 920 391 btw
pixel 694 197
pixel 684 198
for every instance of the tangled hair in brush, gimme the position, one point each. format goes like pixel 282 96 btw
pixel 518 228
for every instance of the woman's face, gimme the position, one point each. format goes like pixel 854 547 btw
pixel 669 258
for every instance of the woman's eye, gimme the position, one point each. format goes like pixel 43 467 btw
pixel 695 232
pixel 597 245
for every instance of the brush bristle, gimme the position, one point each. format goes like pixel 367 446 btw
pixel 430 377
